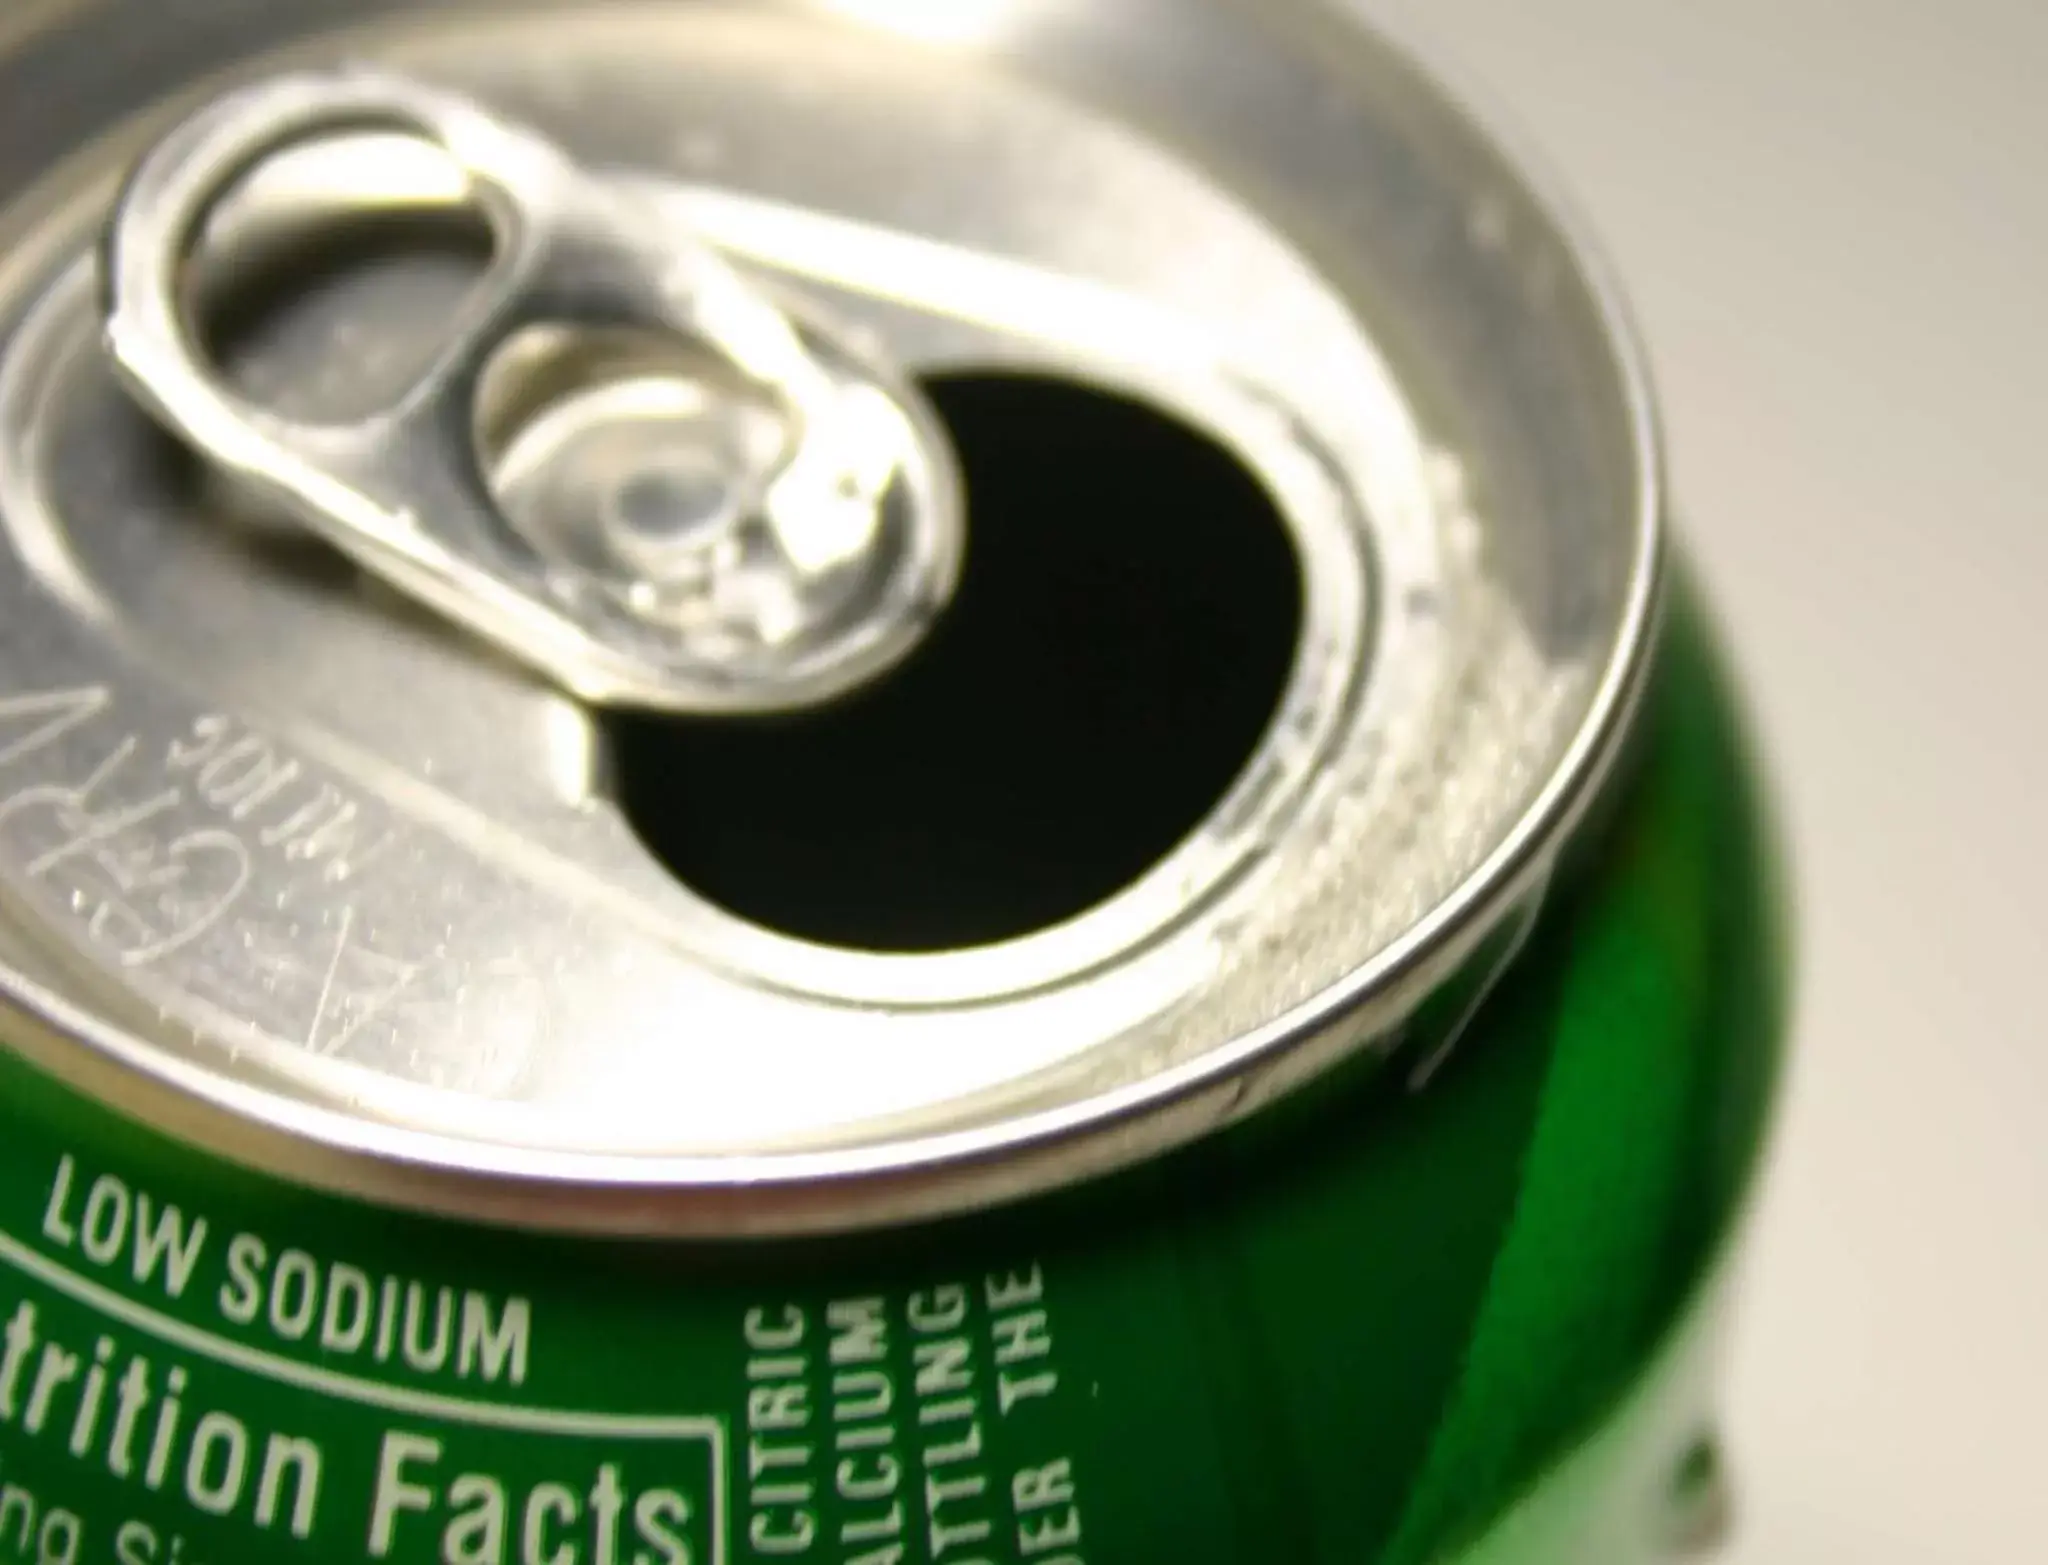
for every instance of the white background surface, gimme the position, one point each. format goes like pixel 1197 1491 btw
pixel 1832 216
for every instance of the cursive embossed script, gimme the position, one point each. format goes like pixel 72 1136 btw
pixel 152 848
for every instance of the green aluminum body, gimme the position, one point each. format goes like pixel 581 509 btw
pixel 1472 1323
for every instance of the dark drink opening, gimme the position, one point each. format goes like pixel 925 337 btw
pixel 1123 632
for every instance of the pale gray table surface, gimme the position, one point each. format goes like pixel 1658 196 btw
pixel 1833 218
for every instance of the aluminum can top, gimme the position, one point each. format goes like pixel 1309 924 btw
pixel 318 632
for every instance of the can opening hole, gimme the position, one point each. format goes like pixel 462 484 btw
pixel 1123 633
pixel 293 258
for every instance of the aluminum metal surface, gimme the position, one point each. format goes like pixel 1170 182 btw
pixel 299 872
pixel 682 563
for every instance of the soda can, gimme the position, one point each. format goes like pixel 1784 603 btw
pixel 843 780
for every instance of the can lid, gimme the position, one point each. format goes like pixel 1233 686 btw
pixel 332 860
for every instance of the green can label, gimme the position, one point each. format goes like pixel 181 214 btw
pixel 178 1389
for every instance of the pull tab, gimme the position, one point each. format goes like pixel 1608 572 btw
pixel 698 502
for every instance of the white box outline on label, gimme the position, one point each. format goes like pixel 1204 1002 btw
pixel 368 1393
